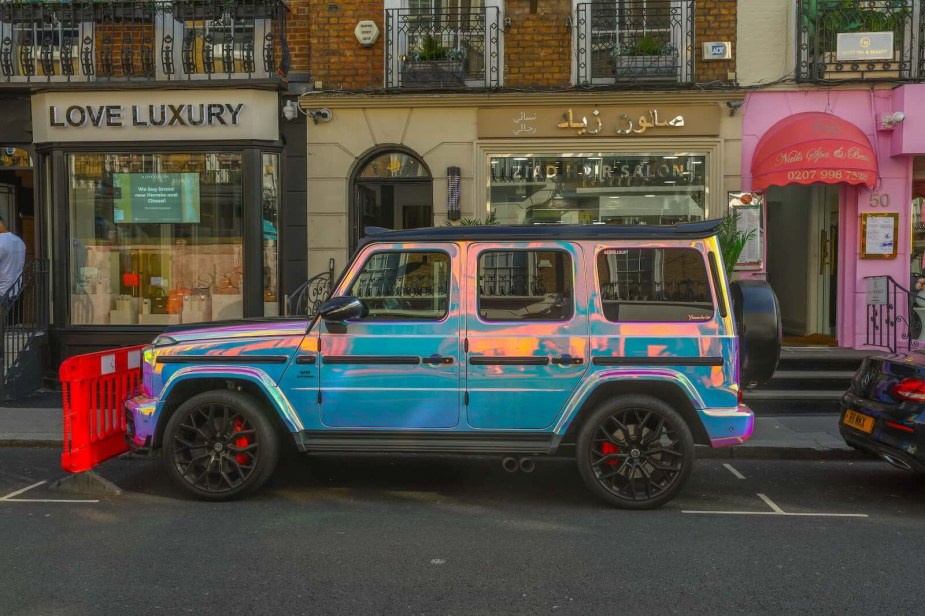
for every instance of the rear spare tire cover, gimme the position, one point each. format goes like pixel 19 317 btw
pixel 757 316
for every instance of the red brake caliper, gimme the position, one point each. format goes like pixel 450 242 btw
pixel 242 441
pixel 608 448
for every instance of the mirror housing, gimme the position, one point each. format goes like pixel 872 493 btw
pixel 344 308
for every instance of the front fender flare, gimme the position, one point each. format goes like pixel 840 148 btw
pixel 243 373
pixel 596 379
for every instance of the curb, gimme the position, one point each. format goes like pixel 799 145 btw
pixel 757 452
pixel 32 442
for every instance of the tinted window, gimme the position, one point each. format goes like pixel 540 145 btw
pixel 654 284
pixel 521 285
pixel 404 285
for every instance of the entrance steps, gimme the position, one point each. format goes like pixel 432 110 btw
pixel 807 380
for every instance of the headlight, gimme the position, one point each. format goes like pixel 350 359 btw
pixel 149 355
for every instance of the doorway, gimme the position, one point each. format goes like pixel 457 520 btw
pixel 17 196
pixel 803 243
pixel 392 190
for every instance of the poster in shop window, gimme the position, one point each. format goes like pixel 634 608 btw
pixel 750 210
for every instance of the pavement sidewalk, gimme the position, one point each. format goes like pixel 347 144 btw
pixel 798 436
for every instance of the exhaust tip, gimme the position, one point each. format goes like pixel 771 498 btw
pixel 896 462
pixel 509 464
pixel 527 465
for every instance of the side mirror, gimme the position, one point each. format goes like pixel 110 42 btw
pixel 345 308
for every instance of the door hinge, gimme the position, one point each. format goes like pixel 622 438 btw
pixel 319 396
pixel 466 345
pixel 466 399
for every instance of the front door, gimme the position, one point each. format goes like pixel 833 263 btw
pixel 823 276
pixel 399 367
pixel 526 333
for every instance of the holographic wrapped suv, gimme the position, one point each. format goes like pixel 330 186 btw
pixel 619 345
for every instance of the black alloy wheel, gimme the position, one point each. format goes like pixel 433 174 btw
pixel 219 445
pixel 635 452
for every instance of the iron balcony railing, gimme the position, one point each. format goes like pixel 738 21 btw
pixel 142 40
pixel 635 42
pixel 881 39
pixel 452 48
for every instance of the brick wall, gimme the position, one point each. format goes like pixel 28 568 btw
pixel 538 43
pixel 715 21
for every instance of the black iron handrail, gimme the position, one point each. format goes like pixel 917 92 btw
pixel 451 48
pixel 139 40
pixel 23 319
pixel 635 42
pixel 819 23
pixel 892 322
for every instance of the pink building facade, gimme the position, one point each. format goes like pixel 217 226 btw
pixel 854 155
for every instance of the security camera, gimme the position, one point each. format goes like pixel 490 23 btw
pixel 734 106
pixel 889 120
pixel 321 115
pixel 291 110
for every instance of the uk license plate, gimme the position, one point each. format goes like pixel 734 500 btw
pixel 859 422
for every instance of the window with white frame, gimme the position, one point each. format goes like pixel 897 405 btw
pixel 444 43
pixel 633 40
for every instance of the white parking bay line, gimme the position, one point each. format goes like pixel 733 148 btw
pixel 735 473
pixel 775 510
pixel 9 497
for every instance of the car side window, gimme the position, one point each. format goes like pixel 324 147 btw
pixel 525 285
pixel 404 285
pixel 654 285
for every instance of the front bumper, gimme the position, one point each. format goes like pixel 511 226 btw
pixel 728 427
pixel 140 422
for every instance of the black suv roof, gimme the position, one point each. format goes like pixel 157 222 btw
pixel 688 230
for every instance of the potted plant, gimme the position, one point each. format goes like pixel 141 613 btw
pixel 433 64
pixel 645 58
pixel 732 241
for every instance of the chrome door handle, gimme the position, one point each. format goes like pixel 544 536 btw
pixel 567 360
pixel 439 360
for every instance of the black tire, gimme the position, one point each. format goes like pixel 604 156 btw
pixel 635 452
pixel 220 445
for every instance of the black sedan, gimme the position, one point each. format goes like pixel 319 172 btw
pixel 884 409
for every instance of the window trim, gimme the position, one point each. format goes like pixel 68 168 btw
pixel 449 284
pixel 478 295
pixel 707 278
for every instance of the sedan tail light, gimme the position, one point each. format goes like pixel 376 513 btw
pixel 910 389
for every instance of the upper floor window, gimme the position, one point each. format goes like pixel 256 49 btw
pixel 635 41
pixel 858 39
pixel 441 44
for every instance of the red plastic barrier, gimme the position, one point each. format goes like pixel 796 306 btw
pixel 94 387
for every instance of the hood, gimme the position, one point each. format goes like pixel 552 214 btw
pixel 245 328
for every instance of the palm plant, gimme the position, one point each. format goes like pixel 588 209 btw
pixel 732 241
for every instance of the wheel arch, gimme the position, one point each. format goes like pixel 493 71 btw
pixel 184 386
pixel 672 393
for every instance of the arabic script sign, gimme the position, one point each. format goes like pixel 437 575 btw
pixel 587 121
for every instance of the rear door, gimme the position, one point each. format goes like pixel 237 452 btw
pixel 526 332
pixel 399 367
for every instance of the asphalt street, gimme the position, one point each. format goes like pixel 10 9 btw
pixel 416 535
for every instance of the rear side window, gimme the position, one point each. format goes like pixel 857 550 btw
pixel 525 285
pixel 404 285
pixel 639 285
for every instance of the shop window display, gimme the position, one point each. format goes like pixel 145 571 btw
pixel 598 188
pixel 156 239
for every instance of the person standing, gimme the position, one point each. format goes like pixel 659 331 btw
pixel 12 260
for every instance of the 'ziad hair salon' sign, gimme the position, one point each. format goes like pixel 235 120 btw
pixel 202 114
pixel 139 116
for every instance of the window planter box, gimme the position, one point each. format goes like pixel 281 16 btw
pixel 433 74
pixel 640 68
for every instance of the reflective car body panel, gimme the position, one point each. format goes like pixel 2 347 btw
pixel 489 357
pixel 897 425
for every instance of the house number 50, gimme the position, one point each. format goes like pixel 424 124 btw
pixel 879 200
